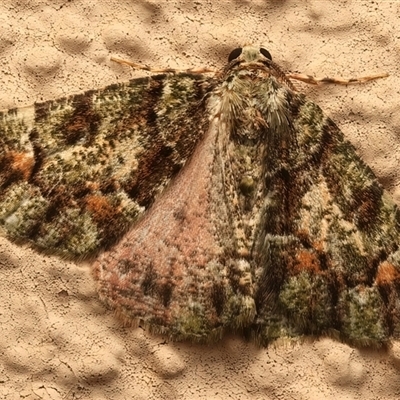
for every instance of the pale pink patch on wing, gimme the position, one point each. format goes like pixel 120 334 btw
pixel 174 242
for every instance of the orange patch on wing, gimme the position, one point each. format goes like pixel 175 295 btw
pixel 306 261
pixel 387 273
pixel 319 246
pixel 21 162
pixel 100 207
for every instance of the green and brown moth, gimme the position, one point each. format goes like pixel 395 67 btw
pixel 209 204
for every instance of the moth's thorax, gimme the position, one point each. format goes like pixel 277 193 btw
pixel 252 100
pixel 252 109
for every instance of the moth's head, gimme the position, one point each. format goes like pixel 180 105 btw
pixel 249 54
pixel 251 59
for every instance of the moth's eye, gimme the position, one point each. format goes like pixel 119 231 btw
pixel 235 54
pixel 266 53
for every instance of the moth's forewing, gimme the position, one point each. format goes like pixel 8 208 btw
pixel 77 172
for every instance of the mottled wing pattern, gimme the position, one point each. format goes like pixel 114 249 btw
pixel 327 252
pixel 275 227
pixel 178 271
pixel 76 172
pixel 229 203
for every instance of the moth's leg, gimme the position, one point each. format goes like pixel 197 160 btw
pixel 340 81
pixel 162 70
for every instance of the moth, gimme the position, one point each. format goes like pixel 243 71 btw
pixel 209 204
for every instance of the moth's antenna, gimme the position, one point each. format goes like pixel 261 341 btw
pixel 311 80
pixel 162 70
